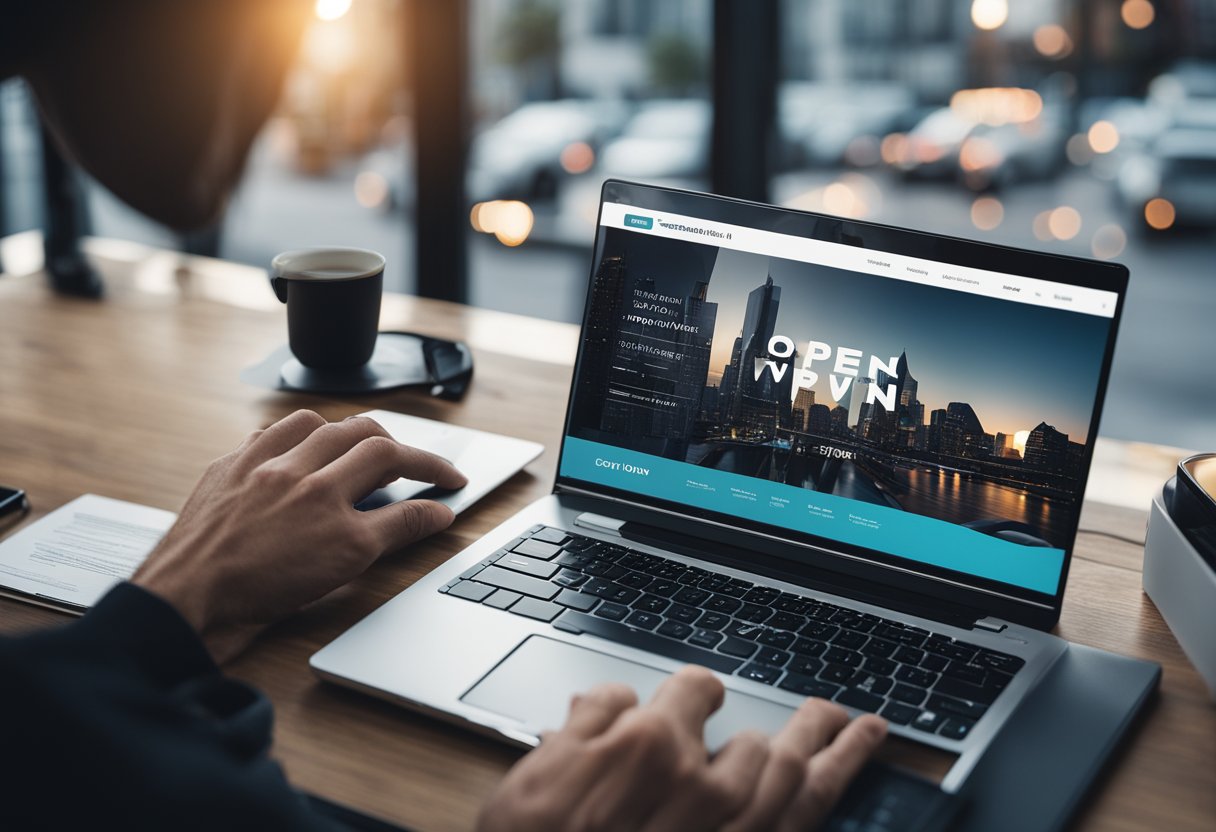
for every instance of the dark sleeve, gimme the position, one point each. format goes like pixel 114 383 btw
pixel 121 720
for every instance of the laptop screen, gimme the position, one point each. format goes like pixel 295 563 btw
pixel 916 411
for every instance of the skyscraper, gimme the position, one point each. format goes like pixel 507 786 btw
pixel 858 391
pixel 756 403
pixel 803 400
pixel 1047 449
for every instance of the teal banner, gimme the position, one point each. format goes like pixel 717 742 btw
pixel 885 529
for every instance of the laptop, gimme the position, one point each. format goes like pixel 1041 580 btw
pixel 819 456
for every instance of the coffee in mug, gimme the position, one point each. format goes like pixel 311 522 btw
pixel 333 304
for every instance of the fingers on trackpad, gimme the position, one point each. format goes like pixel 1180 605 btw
pixel 534 683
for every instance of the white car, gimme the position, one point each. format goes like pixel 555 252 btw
pixel 1181 169
pixel 667 139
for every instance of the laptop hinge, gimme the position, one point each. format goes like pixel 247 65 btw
pixel 992 625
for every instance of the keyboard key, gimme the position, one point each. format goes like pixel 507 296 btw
pixel 999 661
pixel 955 650
pixel 577 622
pixel 819 630
pixel 651 603
pixel 713 620
pixel 663 587
pixel 472 570
pixel 912 637
pixel 962 690
pixel 609 571
pixel 610 591
pixel 568 577
pixel 762 595
pixel 732 646
pixel 574 560
pixel 523 584
pixel 691 596
pixel 837 673
pixel 550 535
pixel 806 665
pixel 899 713
pixel 808 646
pixel 793 604
pixel 787 621
pixel 576 600
pixel 611 611
pixel 744 629
pixel 722 603
pixel 973 674
pixel 773 656
pixel 643 620
pixel 850 640
pixel 686 615
pixel 907 693
pixel 754 613
pixel 836 655
pixel 705 638
pixel 806 686
pixel 957 707
pixel 578 544
pixel 528 566
pixel 859 699
pixel 916 676
pixel 736 588
pixel 540 610
pixel 909 655
pixel 502 599
pixel 955 729
pixel 870 682
pixel 633 580
pixel 674 629
pixel 537 549
pixel 760 673
pixel 927 721
pixel 879 647
pixel 934 662
pixel 471 591
pixel 776 638
pixel 883 667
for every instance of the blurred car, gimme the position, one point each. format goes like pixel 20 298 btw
pixel 996 157
pixel 666 139
pixel 930 150
pixel 1178 175
pixel 527 153
pixel 829 124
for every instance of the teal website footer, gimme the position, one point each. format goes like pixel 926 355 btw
pixel 876 527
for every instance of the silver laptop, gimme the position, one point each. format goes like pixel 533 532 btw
pixel 821 457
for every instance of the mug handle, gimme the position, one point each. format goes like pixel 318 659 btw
pixel 279 285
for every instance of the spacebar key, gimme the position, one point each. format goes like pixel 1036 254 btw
pixel 573 622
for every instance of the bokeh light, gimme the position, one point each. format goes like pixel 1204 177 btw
pixel 1103 136
pixel 995 106
pixel 1078 149
pixel 1042 226
pixel 987 213
pixel 989 14
pixel 371 189
pixel 1138 14
pixel 1052 41
pixel 1108 242
pixel 510 221
pixel 1159 213
pixel 577 157
pixel 331 9
pixel 1064 222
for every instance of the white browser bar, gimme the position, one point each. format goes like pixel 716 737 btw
pixel 869 261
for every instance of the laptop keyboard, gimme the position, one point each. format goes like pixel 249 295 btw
pixel 909 675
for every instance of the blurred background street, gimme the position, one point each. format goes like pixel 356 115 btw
pixel 1084 127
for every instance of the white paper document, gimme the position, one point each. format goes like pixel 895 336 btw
pixel 73 556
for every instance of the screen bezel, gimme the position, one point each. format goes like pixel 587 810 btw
pixel 899 574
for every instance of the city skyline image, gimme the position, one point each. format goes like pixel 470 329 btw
pixel 1016 364
pixel 986 403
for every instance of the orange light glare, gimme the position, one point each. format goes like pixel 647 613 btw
pixel 1064 223
pixel 509 221
pixel 1051 41
pixel 987 213
pixel 989 14
pixel 577 157
pixel 1159 213
pixel 1137 14
pixel 997 105
pixel 1103 137
pixel 331 9
pixel 894 148
pixel 371 189
pixel 978 153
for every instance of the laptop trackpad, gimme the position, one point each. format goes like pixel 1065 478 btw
pixel 535 682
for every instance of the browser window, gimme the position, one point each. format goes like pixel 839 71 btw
pixel 927 411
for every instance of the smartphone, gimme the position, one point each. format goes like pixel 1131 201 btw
pixel 13 503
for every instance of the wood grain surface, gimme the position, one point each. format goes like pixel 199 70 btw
pixel 132 396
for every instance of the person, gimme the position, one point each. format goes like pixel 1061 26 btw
pixel 123 719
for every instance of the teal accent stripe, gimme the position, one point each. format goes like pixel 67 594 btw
pixel 885 529
pixel 635 221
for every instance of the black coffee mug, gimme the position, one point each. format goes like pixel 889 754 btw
pixel 333 304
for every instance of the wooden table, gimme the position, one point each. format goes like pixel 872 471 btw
pixel 131 397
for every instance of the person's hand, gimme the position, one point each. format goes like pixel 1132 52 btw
pixel 615 765
pixel 272 525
